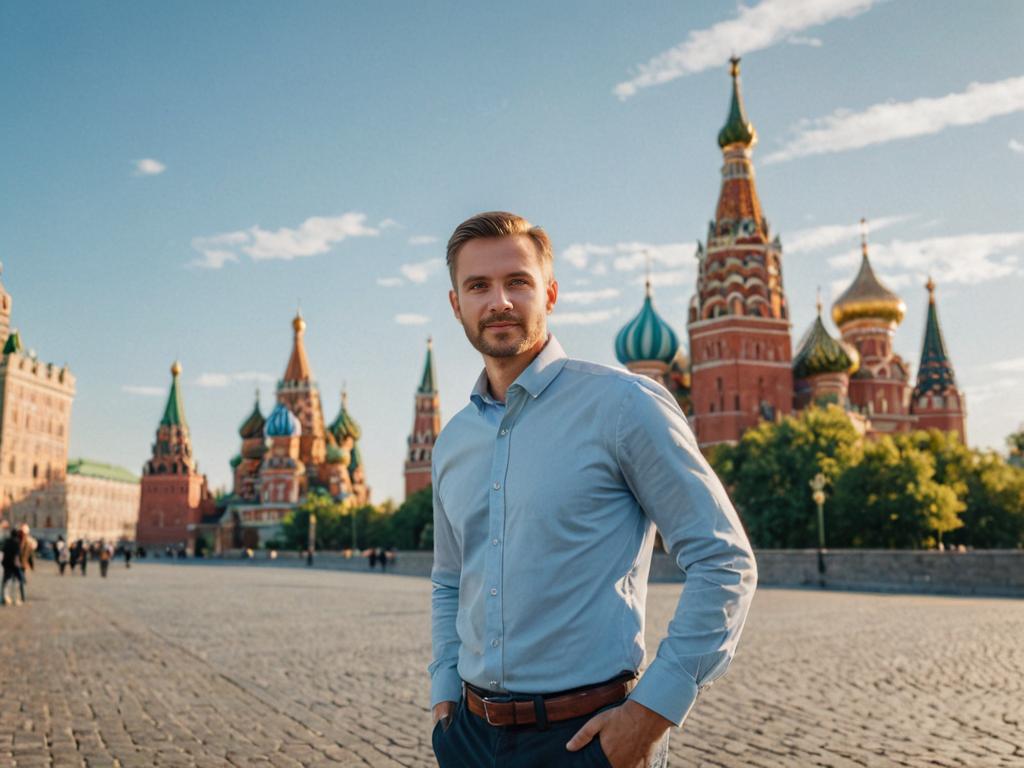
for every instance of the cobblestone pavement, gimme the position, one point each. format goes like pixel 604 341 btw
pixel 192 665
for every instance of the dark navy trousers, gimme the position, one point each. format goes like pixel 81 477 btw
pixel 469 742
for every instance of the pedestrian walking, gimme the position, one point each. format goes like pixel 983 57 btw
pixel 549 487
pixel 16 560
pixel 83 555
pixel 127 555
pixel 60 554
pixel 382 558
pixel 372 557
pixel 106 552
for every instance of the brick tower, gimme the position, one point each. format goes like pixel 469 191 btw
pixel 300 395
pixel 738 320
pixel 426 426
pixel 174 495
pixel 936 401
pixel 867 314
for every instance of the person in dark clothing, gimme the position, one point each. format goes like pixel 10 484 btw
pixel 127 555
pixel 104 554
pixel 83 555
pixel 15 561
pixel 60 554
pixel 382 556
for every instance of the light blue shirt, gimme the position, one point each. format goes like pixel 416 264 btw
pixel 544 524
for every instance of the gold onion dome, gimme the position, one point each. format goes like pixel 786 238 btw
pixel 175 368
pixel 867 297
pixel 298 324
pixel 820 352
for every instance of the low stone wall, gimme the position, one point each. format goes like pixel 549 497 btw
pixel 979 572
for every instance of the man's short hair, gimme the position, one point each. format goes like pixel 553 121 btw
pixel 500 224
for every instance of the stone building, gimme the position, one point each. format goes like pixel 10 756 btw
pixel 35 422
pixel 426 426
pixel 101 503
pixel 174 494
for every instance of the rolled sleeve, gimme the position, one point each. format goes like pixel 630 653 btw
pixel 680 493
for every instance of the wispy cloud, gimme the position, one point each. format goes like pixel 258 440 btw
pixel 316 235
pixel 1017 146
pixel 628 256
pixel 133 389
pixel 587 297
pixel 979 393
pixel 825 236
pixel 389 282
pixel 880 123
pixel 213 380
pixel 966 259
pixel 755 28
pixel 421 271
pixel 409 318
pixel 422 240
pixel 1016 365
pixel 583 318
pixel 388 224
pixel 148 166
pixel 671 277
pixel 812 42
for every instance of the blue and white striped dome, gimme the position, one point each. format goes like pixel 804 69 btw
pixel 646 337
pixel 282 423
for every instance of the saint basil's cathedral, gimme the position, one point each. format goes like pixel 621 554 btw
pixel 742 369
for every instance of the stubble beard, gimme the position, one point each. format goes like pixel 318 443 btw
pixel 511 347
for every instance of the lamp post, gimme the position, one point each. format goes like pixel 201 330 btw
pixel 818 488
pixel 312 538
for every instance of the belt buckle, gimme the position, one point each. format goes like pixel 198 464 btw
pixel 487 700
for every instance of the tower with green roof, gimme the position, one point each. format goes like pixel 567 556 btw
pixel 426 426
pixel 937 402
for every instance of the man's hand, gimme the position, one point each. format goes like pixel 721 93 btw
pixel 443 709
pixel 628 734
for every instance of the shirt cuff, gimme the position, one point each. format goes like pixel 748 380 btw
pixel 667 691
pixel 445 685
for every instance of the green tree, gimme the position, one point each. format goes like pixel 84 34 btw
pixel 891 499
pixel 994 514
pixel 411 520
pixel 769 470
pixel 329 522
pixel 1015 442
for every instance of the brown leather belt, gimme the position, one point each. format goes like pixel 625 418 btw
pixel 551 708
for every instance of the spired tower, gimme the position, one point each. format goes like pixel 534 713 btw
pixel 937 402
pixel 426 426
pixel 299 394
pixel 738 320
pixel 867 314
pixel 174 495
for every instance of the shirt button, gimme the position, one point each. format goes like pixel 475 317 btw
pixel 494 542
pixel 495 643
pixel 494 683
pixel 504 431
pixel 497 486
pixel 494 591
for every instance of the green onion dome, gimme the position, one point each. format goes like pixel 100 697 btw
pixel 646 337
pixel 820 353
pixel 356 459
pixel 236 460
pixel 254 422
pixel 737 129
pixel 282 423
pixel 344 425
pixel 336 455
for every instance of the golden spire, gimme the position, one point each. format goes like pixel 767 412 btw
pixel 175 368
pixel 930 285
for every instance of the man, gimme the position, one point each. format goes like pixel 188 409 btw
pixel 547 490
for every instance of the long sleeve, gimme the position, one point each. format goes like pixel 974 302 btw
pixel 445 684
pixel 679 492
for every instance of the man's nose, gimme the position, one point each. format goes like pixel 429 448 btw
pixel 500 301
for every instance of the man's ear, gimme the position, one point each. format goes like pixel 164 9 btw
pixel 552 292
pixel 453 299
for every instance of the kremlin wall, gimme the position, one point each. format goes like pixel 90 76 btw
pixel 742 368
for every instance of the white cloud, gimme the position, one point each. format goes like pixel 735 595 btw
pixel 388 224
pixel 133 389
pixel 813 42
pixel 816 238
pixel 671 277
pixel 389 282
pixel 315 235
pixel 578 254
pixel 1017 146
pixel 422 240
pixel 966 259
pixel 411 319
pixel 979 393
pixel 754 28
pixel 213 380
pixel 582 318
pixel 880 123
pixel 1016 365
pixel 587 297
pixel 628 255
pixel 420 272
pixel 148 166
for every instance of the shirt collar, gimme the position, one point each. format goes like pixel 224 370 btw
pixel 535 379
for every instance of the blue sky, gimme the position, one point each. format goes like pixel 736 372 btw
pixel 178 178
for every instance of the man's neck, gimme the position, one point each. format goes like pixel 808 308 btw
pixel 502 371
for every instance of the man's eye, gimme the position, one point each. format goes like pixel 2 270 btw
pixel 518 281
pixel 476 286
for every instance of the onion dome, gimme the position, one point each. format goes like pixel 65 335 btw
pixel 356 460
pixel 282 423
pixel 737 129
pixel 13 343
pixel 935 372
pixel 820 352
pixel 344 425
pixel 646 336
pixel 336 455
pixel 253 424
pixel 867 297
pixel 235 460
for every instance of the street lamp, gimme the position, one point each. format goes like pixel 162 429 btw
pixel 312 538
pixel 818 488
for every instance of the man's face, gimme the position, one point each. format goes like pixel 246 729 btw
pixel 502 297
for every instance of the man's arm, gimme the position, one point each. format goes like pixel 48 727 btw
pixel 445 684
pixel 679 491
